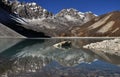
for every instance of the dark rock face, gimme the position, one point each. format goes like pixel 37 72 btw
pixel 5 5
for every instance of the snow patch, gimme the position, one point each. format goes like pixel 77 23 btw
pixel 33 4
pixel 68 10
pixel 70 18
pixel 33 20
pixel 19 5
pixel 31 8
pixel 44 10
pixel 95 15
pixel 19 20
pixel 82 15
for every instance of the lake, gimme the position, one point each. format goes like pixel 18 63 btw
pixel 46 58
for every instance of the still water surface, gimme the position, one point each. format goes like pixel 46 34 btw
pixel 39 58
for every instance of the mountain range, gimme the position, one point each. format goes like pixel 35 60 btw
pixel 31 20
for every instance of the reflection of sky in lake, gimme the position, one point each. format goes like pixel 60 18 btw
pixel 39 58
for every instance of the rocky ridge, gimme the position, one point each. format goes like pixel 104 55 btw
pixel 26 10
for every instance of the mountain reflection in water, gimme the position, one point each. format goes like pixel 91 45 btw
pixel 40 58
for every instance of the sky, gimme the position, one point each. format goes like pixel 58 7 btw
pixel 96 6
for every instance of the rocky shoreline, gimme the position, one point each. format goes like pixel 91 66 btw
pixel 107 46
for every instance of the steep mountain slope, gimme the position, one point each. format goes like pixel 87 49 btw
pixel 107 25
pixel 25 10
pixel 14 22
pixel 6 32
pixel 11 19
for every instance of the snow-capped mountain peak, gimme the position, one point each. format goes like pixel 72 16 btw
pixel 70 13
pixel 75 15
pixel 27 10
pixel 32 4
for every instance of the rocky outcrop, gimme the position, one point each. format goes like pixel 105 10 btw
pixel 107 46
pixel 63 45
pixel 25 10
